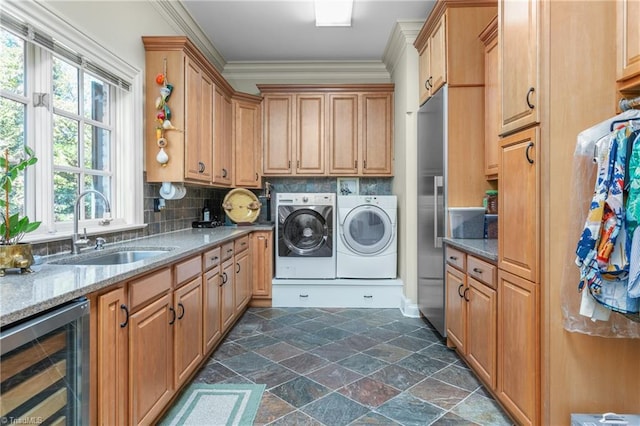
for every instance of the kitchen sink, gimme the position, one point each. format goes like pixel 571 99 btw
pixel 116 257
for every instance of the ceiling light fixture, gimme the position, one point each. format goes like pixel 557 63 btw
pixel 333 13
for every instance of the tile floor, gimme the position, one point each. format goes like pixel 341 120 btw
pixel 350 367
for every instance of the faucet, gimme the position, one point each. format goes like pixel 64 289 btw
pixel 76 241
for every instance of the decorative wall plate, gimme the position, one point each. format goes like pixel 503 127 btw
pixel 241 206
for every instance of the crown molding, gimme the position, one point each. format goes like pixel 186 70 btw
pixel 181 21
pixel 402 36
pixel 319 71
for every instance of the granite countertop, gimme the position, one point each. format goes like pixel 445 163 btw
pixel 50 285
pixel 487 249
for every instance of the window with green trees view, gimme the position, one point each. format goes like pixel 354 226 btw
pixel 65 108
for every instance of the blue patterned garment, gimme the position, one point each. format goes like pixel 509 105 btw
pixel 633 217
pixel 603 250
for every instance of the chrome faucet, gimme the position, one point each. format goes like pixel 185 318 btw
pixel 76 241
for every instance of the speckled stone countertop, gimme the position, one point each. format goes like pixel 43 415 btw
pixel 50 285
pixel 480 247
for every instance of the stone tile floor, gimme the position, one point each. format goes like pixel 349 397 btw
pixel 350 367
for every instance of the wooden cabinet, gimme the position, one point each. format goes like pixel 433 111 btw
pixel 337 130
pixel 151 359
pixel 518 340
pixel 198 138
pixel 242 283
pixel 519 47
pixel 262 267
pixel 112 357
pixel 188 330
pixel 433 62
pixel 247 148
pixel 223 153
pixel 211 299
pixel 518 204
pixel 492 123
pixel 227 288
pixel 472 312
pixel 628 42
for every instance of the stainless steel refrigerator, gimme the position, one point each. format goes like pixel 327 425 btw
pixel 432 134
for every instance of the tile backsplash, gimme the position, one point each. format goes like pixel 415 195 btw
pixel 178 214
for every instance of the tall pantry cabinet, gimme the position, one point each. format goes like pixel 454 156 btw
pixel 542 368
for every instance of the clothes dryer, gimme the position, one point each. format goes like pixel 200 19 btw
pixel 367 245
pixel 305 235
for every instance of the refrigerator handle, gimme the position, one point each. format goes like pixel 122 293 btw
pixel 437 183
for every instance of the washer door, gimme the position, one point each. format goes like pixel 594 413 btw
pixel 306 232
pixel 367 230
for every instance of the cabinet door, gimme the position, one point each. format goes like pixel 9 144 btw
pixel 377 133
pixel 424 73
pixel 491 103
pixel 211 308
pixel 262 264
pixel 188 330
pixel 241 281
pixel 455 307
pixel 518 347
pixel 246 127
pixel 628 43
pixel 222 143
pixel 227 301
pixel 481 330
pixel 277 134
pixel 518 204
pixel 518 46
pixel 343 134
pixel 438 56
pixel 310 138
pixel 112 406
pixel 198 113
pixel 151 360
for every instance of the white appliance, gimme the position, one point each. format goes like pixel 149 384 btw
pixel 306 236
pixel 367 242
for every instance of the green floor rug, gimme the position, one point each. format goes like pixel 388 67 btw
pixel 216 405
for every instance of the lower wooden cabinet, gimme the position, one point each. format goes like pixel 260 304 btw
pixel 212 331
pixel 262 267
pixel 456 311
pixel 518 347
pixel 242 282
pixel 188 330
pixel 227 289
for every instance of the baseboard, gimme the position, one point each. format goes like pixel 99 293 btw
pixel 408 308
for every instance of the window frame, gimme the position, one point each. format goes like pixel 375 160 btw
pixel 127 171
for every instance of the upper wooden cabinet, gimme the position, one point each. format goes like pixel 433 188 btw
pixel 449 48
pixel 199 122
pixel 222 150
pixel 247 145
pixel 628 45
pixel 492 122
pixel 519 47
pixel 317 130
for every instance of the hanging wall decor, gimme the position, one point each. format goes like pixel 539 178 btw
pixel 163 115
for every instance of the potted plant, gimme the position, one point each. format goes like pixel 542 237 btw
pixel 14 254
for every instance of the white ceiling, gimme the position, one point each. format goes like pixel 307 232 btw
pixel 265 30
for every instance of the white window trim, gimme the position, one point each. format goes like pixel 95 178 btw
pixel 128 174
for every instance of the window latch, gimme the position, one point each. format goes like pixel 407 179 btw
pixel 41 100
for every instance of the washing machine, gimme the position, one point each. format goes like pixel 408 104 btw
pixel 306 236
pixel 367 245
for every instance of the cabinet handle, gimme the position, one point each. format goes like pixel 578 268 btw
pixel 266 243
pixel 460 294
pixel 229 250
pixel 298 164
pixel 526 153
pixel 426 84
pixel 356 165
pixel 238 268
pixel 181 314
pixel 213 259
pixel 225 278
pixel 221 281
pixel 200 167
pixel 430 82
pixel 173 311
pixel 529 104
pixel 453 257
pixel 224 173
pixel 364 164
pixel 289 163
pixel 304 295
pixel 477 270
pixel 464 295
pixel 368 296
pixel 126 315
pixel 256 177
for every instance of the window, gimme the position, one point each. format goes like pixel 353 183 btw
pixel 76 114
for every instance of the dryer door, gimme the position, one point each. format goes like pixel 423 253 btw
pixel 306 231
pixel 367 230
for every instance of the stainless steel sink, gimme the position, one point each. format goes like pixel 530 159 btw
pixel 119 257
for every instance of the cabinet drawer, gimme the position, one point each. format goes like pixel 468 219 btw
pixel 227 251
pixel 455 258
pixel 241 244
pixel 482 271
pixel 188 269
pixel 211 258
pixel 148 287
